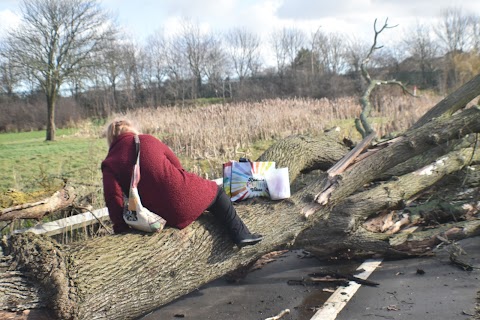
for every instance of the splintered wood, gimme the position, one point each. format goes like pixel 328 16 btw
pixel 331 182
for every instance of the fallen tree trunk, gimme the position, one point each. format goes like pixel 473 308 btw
pixel 126 276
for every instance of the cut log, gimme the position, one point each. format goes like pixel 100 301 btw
pixel 37 210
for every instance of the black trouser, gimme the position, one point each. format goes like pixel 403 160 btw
pixel 222 209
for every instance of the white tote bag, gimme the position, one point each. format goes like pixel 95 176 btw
pixel 134 213
pixel 278 183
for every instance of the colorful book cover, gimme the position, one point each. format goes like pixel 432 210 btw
pixel 248 179
pixel 227 177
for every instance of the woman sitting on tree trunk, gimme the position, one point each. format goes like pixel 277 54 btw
pixel 165 188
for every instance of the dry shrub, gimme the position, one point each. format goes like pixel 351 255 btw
pixel 30 113
pixel 22 115
pixel 217 133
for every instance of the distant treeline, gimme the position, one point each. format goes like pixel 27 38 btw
pixel 193 67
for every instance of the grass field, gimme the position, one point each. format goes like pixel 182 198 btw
pixel 203 137
pixel 37 167
pixel 26 158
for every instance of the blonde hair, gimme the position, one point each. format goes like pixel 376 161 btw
pixel 118 127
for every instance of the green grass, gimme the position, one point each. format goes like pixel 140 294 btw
pixel 208 101
pixel 13 138
pixel 30 163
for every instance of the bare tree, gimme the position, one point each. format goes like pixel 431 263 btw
pixel 451 30
pixel 356 52
pixel 133 67
pixel 475 27
pixel 9 76
pixel 362 123
pixel 55 41
pixel 111 69
pixel 331 50
pixel 422 49
pixel 243 49
pixel 286 43
pixel 156 55
pixel 216 66
pixel 178 70
pixel 453 33
pixel 194 44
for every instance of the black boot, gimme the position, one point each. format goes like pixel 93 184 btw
pixel 239 231
pixel 222 208
pixel 249 240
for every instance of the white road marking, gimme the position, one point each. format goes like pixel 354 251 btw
pixel 339 299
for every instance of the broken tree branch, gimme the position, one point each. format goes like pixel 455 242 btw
pixel 37 210
pixel 362 124
pixel 338 168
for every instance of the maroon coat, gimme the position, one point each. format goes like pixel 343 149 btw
pixel 165 188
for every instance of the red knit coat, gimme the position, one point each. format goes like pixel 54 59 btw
pixel 165 188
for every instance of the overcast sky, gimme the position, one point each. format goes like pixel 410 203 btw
pixel 140 18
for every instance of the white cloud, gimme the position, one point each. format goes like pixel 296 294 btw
pixel 8 20
pixel 356 17
pixel 141 18
pixel 314 10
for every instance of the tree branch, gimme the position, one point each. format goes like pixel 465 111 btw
pixel 362 124
pixel 37 210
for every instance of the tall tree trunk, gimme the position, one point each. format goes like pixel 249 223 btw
pixel 51 99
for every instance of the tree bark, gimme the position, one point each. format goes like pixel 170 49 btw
pixel 51 96
pixel 126 276
pixel 59 200
pixel 452 103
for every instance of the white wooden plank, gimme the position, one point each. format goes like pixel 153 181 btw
pixel 70 223
pixel 339 299
pixel 76 221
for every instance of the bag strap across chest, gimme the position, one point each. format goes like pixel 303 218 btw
pixel 136 168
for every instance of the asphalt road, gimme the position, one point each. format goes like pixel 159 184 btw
pixel 418 288
pixel 443 291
